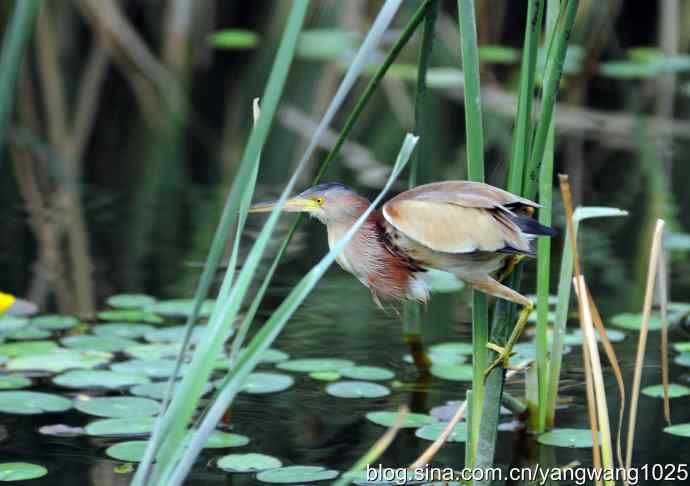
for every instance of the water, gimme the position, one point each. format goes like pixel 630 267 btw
pixel 304 425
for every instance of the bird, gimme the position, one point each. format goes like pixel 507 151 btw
pixel 15 307
pixel 470 229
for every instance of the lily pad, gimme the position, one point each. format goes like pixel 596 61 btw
pixel 245 463
pixel 259 383
pixel 452 348
pixel 234 39
pixel 567 438
pixel 121 426
pixel 367 373
pixel 174 334
pixel 180 307
pixel 440 358
pixel 324 44
pixel 297 474
pixel 154 368
pixel 325 375
pixel 20 471
pixel 412 421
pixel 357 389
pixel 682 430
pixel 12 382
pixel 633 322
pixel 272 355
pixel 682 347
pixel 97 343
pixel 81 379
pixel 219 440
pixel 116 407
pixel 26 348
pixel 153 351
pixel 432 431
pixel 452 372
pixel 12 323
pixel 122 330
pixel 130 315
pixel 130 301
pixel 130 451
pixel 682 359
pixel 30 403
pixel 614 335
pixel 60 360
pixel 309 365
pixel 29 333
pixel 54 322
pixel 674 391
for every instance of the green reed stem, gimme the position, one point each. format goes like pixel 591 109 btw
pixel 538 423
pixel 523 121
pixel 412 325
pixel 475 168
pixel 13 45
pixel 352 118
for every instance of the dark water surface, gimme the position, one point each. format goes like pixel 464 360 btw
pixel 304 425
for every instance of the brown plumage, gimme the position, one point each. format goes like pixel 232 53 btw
pixel 465 228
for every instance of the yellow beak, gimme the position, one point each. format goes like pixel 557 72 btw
pixel 293 205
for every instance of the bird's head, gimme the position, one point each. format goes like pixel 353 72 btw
pixel 328 202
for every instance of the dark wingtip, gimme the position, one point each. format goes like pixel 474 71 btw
pixel 533 227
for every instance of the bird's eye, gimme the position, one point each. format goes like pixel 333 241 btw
pixel 318 200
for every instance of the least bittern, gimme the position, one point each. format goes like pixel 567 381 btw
pixel 466 228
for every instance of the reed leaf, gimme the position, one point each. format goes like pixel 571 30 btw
pixel 13 45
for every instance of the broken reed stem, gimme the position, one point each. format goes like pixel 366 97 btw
pixel 642 341
pixel 662 290
pixel 568 204
pixel 587 326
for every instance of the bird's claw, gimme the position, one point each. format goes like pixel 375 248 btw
pixel 504 355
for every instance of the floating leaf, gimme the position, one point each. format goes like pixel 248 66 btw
pixel 157 390
pixel 26 348
pixel 60 360
pixel 325 44
pixel 219 440
pixel 412 421
pixel 628 70
pixel 154 368
pixel 13 382
pixel 180 308
pixel 677 241
pixel 116 407
pixel 30 403
pixel 567 438
pixel 12 323
pixel 297 474
pixel 236 39
pixel 452 348
pixel 259 383
pixel 614 336
pixel 174 334
pixel 153 351
pixel 20 471
pixel 130 315
pixel 499 54
pixel 682 359
pixel 96 343
pixel 440 358
pixel 82 379
pixel 315 364
pixel 251 462
pixel 674 391
pixel 432 431
pixel 682 430
pixel 122 330
pixel 367 373
pixel 272 355
pixel 634 321
pixel 29 333
pixel 130 301
pixel 452 372
pixel 54 322
pixel 130 451
pixel 121 426
pixel 682 347
pixel 325 375
pixel 357 389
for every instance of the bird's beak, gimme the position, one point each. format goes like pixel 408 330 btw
pixel 293 205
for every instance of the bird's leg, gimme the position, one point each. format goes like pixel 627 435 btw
pixel 510 264
pixel 506 351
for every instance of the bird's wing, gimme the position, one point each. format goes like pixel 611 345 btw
pixel 459 217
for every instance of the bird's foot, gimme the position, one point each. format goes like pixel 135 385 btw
pixel 509 267
pixel 504 355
